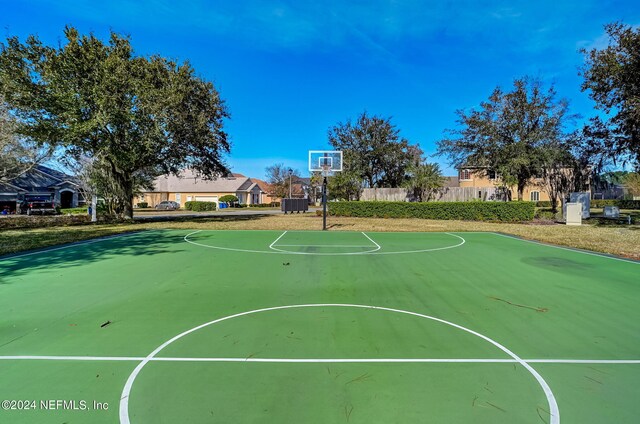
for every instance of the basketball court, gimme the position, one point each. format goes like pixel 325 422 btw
pixel 318 327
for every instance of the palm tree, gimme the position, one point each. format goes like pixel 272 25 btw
pixel 425 180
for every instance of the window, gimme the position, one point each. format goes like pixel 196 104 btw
pixel 465 174
pixel 492 174
pixel 535 196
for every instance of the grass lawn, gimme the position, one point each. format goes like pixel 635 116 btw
pixel 612 239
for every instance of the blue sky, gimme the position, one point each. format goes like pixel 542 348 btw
pixel 290 70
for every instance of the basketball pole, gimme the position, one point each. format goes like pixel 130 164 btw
pixel 324 204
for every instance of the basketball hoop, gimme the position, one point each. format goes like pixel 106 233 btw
pixel 327 162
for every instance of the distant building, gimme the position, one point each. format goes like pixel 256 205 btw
pixel 480 178
pixel 44 184
pixel 190 187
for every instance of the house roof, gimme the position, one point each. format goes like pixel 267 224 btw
pixel 41 178
pixel 190 182
pixel 264 186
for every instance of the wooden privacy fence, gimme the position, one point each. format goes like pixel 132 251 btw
pixel 447 194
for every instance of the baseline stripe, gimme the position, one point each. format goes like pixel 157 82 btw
pixel 322 360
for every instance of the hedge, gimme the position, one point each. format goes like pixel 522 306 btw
pixel 265 205
pixel 622 204
pixel 38 221
pixel 200 206
pixel 599 203
pixel 472 211
pixel 143 205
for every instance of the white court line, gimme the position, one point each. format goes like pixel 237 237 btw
pixel 277 251
pixel 554 411
pixel 321 245
pixel 371 240
pixel 323 360
pixel 276 240
pixel 273 247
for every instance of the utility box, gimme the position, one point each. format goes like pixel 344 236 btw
pixel 573 214
pixel 611 212
pixel 294 205
pixel 585 199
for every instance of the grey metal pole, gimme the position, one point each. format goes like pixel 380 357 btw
pixel 94 212
pixel 324 204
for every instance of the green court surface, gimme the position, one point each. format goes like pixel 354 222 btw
pixel 318 327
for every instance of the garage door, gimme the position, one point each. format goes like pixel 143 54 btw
pixel 207 199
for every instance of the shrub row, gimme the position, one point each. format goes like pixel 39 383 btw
pixel 40 221
pixel 473 211
pixel 598 203
pixel 75 211
pixel 200 206
pixel 622 204
pixel 143 205
pixel 265 205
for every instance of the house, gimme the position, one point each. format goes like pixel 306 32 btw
pixel 190 187
pixel 268 196
pixel 41 183
pixel 487 180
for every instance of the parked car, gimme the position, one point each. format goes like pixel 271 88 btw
pixel 167 205
pixel 31 207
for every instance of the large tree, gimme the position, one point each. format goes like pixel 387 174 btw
pixel 17 154
pixel 612 77
pixel 505 134
pixel 373 150
pixel 137 116
pixel 282 180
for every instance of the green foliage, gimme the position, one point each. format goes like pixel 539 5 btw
pixel 425 180
pixel 75 211
pixel 373 151
pixel 140 117
pixel 632 182
pixel 282 180
pixel 38 221
pixel 546 214
pixel 622 204
pixel 143 205
pixel 543 204
pixel 228 198
pixel 507 132
pixel 346 185
pixel 612 78
pixel 200 206
pixel 472 211
pixel 265 205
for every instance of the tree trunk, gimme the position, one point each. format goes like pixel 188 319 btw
pixel 521 185
pixel 127 212
pixel 554 204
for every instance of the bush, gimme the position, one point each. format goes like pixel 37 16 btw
pixel 472 211
pixel 264 205
pixel 143 205
pixel 545 213
pixel 543 204
pixel 75 211
pixel 37 221
pixel 622 204
pixel 228 198
pixel 196 206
